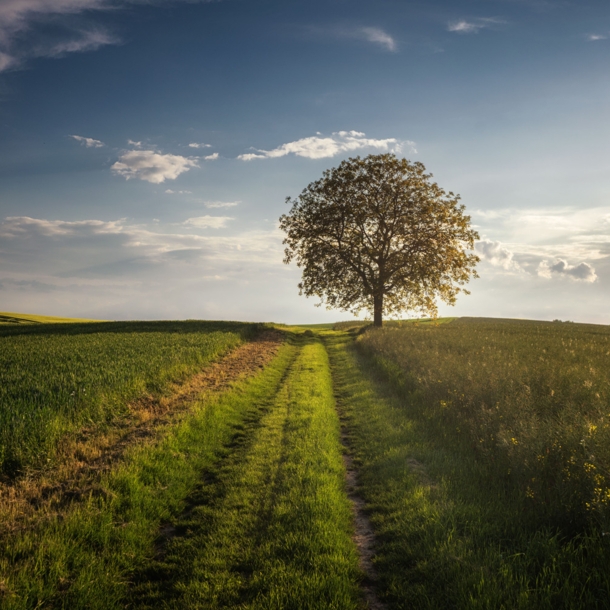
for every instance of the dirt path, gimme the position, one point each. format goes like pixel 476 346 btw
pixel 364 535
pixel 86 456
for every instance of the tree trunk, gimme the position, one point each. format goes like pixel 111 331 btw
pixel 377 310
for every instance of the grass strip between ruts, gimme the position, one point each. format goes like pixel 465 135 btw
pixel 87 556
pixel 271 526
pixel 443 541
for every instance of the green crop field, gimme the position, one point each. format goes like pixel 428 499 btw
pixel 56 378
pixel 459 463
pixel 24 318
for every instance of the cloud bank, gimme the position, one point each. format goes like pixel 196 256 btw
pixel 319 147
pixel 125 270
pixel 547 243
pixel 583 272
pixel 52 251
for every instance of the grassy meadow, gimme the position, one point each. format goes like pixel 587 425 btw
pixel 485 456
pixel 528 402
pixel 89 553
pixel 481 450
pixel 57 378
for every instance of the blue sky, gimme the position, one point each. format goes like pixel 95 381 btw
pixel 147 148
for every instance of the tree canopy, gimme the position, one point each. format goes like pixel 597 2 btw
pixel 378 234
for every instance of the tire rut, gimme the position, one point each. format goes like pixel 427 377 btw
pixel 364 534
pixel 155 581
pixel 88 455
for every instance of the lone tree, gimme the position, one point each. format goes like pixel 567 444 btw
pixel 378 234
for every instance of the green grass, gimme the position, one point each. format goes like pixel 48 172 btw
pixel 466 517
pixel 89 556
pixel 271 527
pixel 56 378
pixel 253 482
pixel 359 324
pixel 482 446
pixel 528 402
pixel 26 318
pixel 297 327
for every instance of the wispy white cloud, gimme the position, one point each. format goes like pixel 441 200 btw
pixel 15 15
pixel 376 36
pixel 170 192
pixel 20 20
pixel 18 16
pixel 594 37
pixel 221 204
pixel 134 143
pixel 152 166
pixel 197 145
pixel 6 61
pixel 320 147
pixel 20 226
pixel 89 40
pixel 463 26
pixel 88 142
pixel 211 157
pixel 208 222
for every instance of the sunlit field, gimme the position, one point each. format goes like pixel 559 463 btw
pixel 57 378
pixel 221 465
pixel 24 318
pixel 529 402
pixel 504 428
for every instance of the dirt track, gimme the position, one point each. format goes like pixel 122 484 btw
pixel 93 451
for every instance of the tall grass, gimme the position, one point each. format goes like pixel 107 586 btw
pixel 456 524
pixel 528 402
pixel 56 378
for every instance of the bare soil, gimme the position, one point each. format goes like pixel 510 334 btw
pixel 84 457
pixel 364 535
